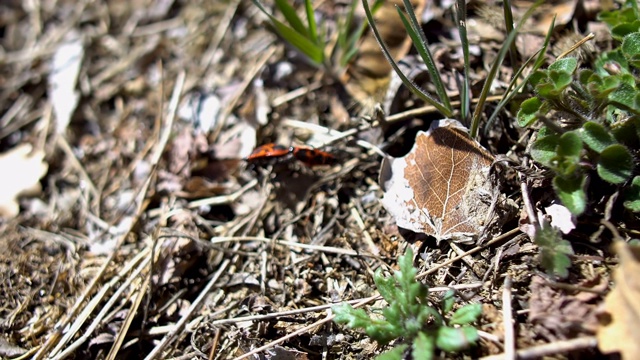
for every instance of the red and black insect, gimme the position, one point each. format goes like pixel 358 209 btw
pixel 269 154
pixel 272 153
pixel 313 157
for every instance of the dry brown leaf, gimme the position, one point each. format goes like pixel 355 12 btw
pixel 24 169
pixel 619 326
pixel 441 187
pixel 368 73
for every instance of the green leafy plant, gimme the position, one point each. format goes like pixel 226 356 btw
pixel 554 251
pixel 309 39
pixel 442 102
pixel 601 111
pixel 409 316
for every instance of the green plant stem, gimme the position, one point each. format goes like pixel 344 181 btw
pixel 464 40
pixel 477 113
pixel 508 23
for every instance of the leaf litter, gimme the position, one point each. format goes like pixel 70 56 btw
pixel 152 238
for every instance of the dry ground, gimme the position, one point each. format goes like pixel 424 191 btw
pixel 152 237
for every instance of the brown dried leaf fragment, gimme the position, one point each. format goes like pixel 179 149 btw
pixel 619 324
pixel 442 186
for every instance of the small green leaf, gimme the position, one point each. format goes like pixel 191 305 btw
pixel 466 314
pixel 615 164
pixel 397 353
pixel 383 332
pixel 544 149
pixel 528 112
pixel 624 96
pixel 565 65
pixel 632 195
pixel 546 131
pixel 423 347
pixel 560 80
pixel 547 90
pixel 386 286
pixel 569 145
pixel 631 45
pixel 353 318
pixel 456 339
pixel 538 77
pixel 570 191
pixel 596 136
pixel 448 300
pixel 616 17
pixel 554 251
pixel 619 32
pixel 586 76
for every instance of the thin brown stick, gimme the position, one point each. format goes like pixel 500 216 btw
pixel 507 318
pixel 557 347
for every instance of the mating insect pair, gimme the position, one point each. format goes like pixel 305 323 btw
pixel 273 153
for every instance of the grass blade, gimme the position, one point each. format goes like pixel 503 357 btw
pixel 291 16
pixel 311 20
pixel 508 23
pixel 465 95
pixel 410 84
pixel 314 52
pixel 511 90
pixel 475 121
pixel 420 42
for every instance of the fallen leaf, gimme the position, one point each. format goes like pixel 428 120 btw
pixel 619 323
pixel 442 186
pixel 26 169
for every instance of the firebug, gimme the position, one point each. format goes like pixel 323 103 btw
pixel 313 157
pixel 269 153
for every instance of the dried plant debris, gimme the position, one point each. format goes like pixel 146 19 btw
pixel 141 215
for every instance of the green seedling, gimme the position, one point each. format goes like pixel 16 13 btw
pixel 554 251
pixel 422 327
pixel 311 40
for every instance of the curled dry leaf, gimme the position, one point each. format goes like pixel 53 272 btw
pixel 25 168
pixel 619 324
pixel 442 186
